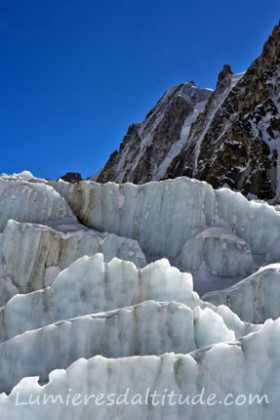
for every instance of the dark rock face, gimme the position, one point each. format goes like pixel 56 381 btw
pixel 72 177
pixel 232 140
pixel 147 144
pixel 240 147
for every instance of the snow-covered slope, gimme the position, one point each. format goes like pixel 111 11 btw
pixel 229 137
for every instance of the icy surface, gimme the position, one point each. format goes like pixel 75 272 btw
pixel 24 175
pixel 241 380
pixel 255 298
pixel 223 253
pixel 86 308
pixel 164 216
pixel 88 286
pixel 123 332
pixel 162 208
pixel 29 202
pixel 38 248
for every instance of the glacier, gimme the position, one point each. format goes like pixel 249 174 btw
pixel 44 250
pixel 118 333
pixel 90 285
pixel 174 212
pixel 100 292
pixel 249 372
pixel 27 201
pixel 254 299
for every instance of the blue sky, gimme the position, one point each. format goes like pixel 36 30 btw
pixel 74 74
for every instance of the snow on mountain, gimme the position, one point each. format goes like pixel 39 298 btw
pixel 228 137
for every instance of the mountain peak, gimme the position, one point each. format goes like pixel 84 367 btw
pixel 224 77
pixel 239 123
pixel 271 50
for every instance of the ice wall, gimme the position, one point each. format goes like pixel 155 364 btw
pixel 163 216
pixel 223 381
pixel 26 201
pixel 131 312
pixel 91 285
pixel 255 298
pixel 119 333
pixel 160 215
pixel 42 251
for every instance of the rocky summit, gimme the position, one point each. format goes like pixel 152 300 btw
pixel 227 137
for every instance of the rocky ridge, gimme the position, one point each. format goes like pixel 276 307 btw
pixel 228 137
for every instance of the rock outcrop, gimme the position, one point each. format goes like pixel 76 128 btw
pixel 228 137
pixel 149 147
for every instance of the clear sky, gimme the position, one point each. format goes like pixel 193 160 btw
pixel 74 74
